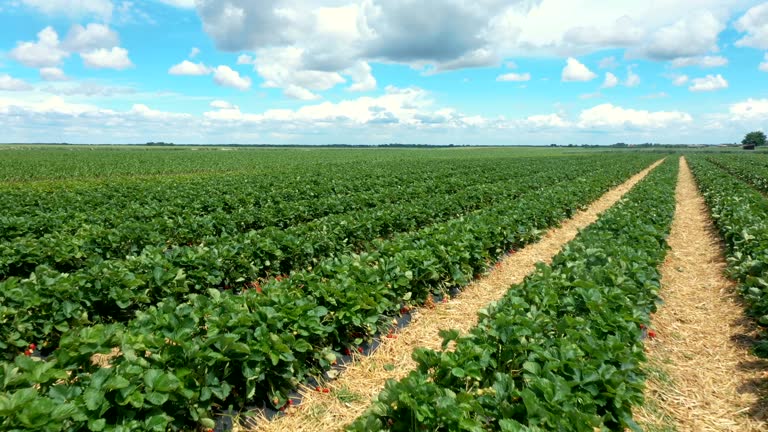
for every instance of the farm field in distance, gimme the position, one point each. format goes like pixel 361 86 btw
pixel 189 288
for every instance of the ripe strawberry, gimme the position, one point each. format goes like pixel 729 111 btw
pixel 347 351
pixel 326 390
pixel 290 401
pixel 32 346
pixel 651 334
pixel 28 353
pixel 318 389
pixel 360 350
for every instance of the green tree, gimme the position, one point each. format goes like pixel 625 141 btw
pixel 756 138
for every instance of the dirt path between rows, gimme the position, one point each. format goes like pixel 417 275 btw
pixel 701 374
pixel 352 392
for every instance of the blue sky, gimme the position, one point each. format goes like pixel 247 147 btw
pixel 375 71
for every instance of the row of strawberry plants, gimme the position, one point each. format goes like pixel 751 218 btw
pixel 562 350
pixel 180 361
pixel 48 303
pixel 750 168
pixel 741 215
pixel 220 203
pixel 65 251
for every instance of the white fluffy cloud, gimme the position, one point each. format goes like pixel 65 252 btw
pixel 764 65
pixel 708 83
pixel 9 83
pixel 610 80
pixel 284 68
pixel 623 32
pixel 91 37
pixel 194 52
pixel 73 8
pixel 702 62
pixel 225 76
pixel 611 116
pixel 52 74
pixel 362 77
pixel 514 77
pixel 96 44
pixel 692 35
pixel 755 24
pixel 545 121
pixel 633 79
pixel 440 36
pixel 750 109
pixel 186 67
pixel 102 58
pixel 220 104
pixel 576 71
pixel 46 52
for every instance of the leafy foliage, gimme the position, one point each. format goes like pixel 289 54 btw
pixel 561 351
pixel 187 330
pixel 741 215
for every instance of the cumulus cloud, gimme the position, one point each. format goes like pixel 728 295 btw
pixel 9 83
pixel 96 44
pixel 755 24
pixel 102 58
pixel 610 81
pixel 46 52
pixel 284 68
pixel 186 67
pixel 245 59
pixel 194 52
pixel 220 104
pixel 514 77
pixel 52 74
pixel 545 121
pixel 363 79
pixel 225 76
pixel 621 33
pixel 702 62
pixel 89 38
pixel 633 79
pixel 749 109
pixel 690 36
pixel 576 71
pixel 708 83
pixel 611 116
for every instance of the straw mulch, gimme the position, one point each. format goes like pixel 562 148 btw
pixel 352 392
pixel 701 374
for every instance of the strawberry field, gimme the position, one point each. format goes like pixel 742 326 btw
pixel 157 289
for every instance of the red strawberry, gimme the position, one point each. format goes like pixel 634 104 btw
pixel 347 351
pixel 326 390
pixel 28 353
pixel 651 334
pixel 318 389
pixel 360 350
pixel 32 346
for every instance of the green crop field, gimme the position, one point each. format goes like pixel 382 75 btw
pixel 155 288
